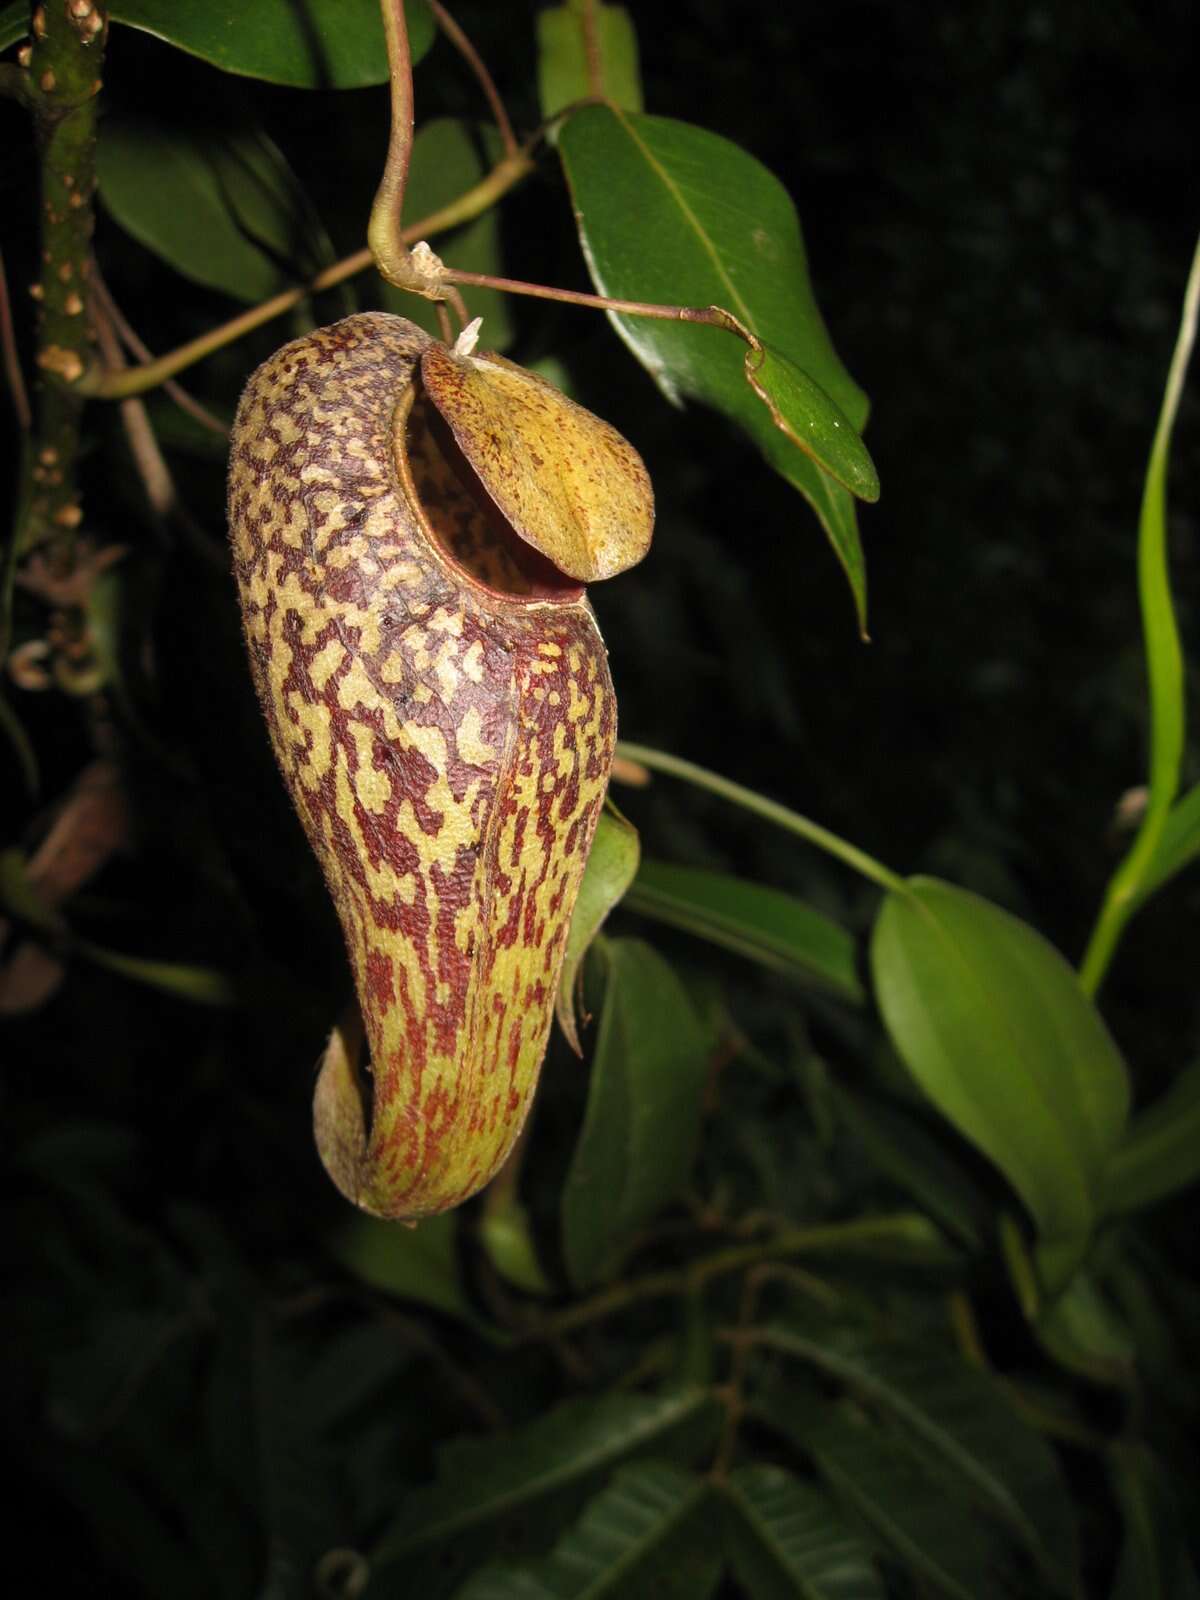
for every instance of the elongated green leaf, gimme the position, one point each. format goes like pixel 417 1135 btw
pixel 912 1518
pixel 449 155
pixel 715 228
pixel 956 1420
pixel 643 1112
pixel 418 1263
pixel 752 919
pixel 1155 1562
pixel 610 868
pixel 788 1541
pixel 202 985
pixel 505 1583
pixel 223 209
pixel 902 1149
pixel 649 1535
pixel 574 1446
pixel 1160 1152
pixel 308 44
pixel 573 67
pixel 1178 846
pixel 993 1025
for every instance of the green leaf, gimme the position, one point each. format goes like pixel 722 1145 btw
pixel 754 920
pixel 956 1420
pixel 907 1509
pixel 610 868
pixel 20 898
pixel 418 1263
pixel 903 1151
pixel 449 156
pixel 805 414
pixel 202 985
pixel 1160 1152
pixel 563 50
pixel 647 1536
pixel 1085 1334
pixel 223 209
pixel 994 1026
pixel 714 227
pixel 480 1482
pixel 1155 1561
pixel 643 1112
pixel 14 23
pixel 1177 847
pixel 508 1239
pixel 307 44
pixel 787 1541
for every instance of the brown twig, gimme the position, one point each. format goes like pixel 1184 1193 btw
pixel 151 467
pixel 475 61
pixel 138 348
pixel 14 377
pixel 591 50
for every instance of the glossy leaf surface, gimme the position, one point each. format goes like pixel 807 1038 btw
pixel 224 210
pixel 714 228
pixel 788 1541
pixel 307 44
pixel 609 872
pixel 992 1023
pixel 643 1112
pixel 765 924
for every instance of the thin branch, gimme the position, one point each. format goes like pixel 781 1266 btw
pixel 475 61
pixel 385 235
pixel 470 204
pixel 707 316
pixel 138 347
pixel 151 467
pixel 13 375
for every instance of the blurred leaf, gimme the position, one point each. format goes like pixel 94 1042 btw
pixel 1085 1334
pixel 903 1151
pixel 643 1112
pixel 506 1236
pixel 610 868
pixel 1155 1562
pixel 957 1421
pixel 1160 1152
pixel 648 1536
pixel 994 1026
pixel 573 1446
pixel 907 1509
pixel 1178 846
pixel 19 898
pixel 752 919
pixel 418 1263
pixel 788 1541
pixel 449 156
pixel 202 985
pixel 307 44
pixel 714 228
pixel 563 75
pixel 222 208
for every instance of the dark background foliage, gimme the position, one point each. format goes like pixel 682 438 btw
pixel 996 202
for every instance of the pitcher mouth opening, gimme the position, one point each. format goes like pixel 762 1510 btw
pixel 459 517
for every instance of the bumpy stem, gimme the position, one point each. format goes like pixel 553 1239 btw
pixel 64 67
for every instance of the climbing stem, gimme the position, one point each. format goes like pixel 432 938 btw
pixel 468 205
pixel 770 810
pixel 64 64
